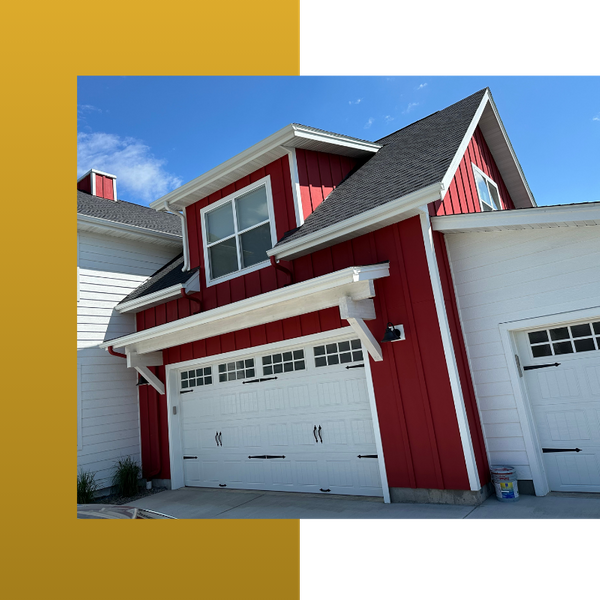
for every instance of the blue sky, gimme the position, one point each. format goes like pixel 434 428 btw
pixel 156 133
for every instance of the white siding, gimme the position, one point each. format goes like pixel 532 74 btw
pixel 504 276
pixel 109 268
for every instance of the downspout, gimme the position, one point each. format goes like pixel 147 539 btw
pixel 184 294
pixel 281 268
pixel 114 353
pixel 186 255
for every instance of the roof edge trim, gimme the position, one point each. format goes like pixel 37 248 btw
pixel 116 225
pixel 150 300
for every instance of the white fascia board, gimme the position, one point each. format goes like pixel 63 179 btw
pixel 579 215
pixel 376 218
pixel 98 173
pixel 300 298
pixel 485 101
pixel 150 300
pixel 283 138
pixel 113 226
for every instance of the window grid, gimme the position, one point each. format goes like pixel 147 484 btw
pixel 283 362
pixel 237 233
pixel 338 353
pixel 568 339
pixel 495 202
pixel 196 377
pixel 239 369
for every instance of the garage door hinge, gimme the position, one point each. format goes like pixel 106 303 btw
pixel 266 456
pixel 356 367
pixel 561 450
pixel 367 456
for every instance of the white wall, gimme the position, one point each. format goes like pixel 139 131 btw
pixel 109 268
pixel 504 276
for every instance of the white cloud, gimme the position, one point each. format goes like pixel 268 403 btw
pixel 422 86
pixel 369 122
pixel 388 118
pixel 596 118
pixel 357 101
pixel 138 171
pixel 410 106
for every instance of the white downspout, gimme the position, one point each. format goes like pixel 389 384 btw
pixel 186 250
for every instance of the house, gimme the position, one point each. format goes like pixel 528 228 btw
pixel 119 246
pixel 373 318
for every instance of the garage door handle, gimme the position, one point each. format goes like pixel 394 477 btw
pixel 327 490
pixel 531 367
pixel 189 457
pixel 220 439
pixel 319 432
pixel 547 450
pixel 315 434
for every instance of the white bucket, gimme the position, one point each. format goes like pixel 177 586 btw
pixel 505 483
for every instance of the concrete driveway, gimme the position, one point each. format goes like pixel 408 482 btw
pixel 204 503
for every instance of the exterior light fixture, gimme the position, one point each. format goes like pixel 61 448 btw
pixel 393 333
pixel 141 381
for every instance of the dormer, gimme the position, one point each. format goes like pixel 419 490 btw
pixel 238 211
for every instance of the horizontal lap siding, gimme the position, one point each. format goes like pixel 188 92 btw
pixel 414 400
pixel 461 196
pixel 505 276
pixel 109 269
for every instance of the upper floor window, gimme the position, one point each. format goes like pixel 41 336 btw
pixel 237 232
pixel 489 196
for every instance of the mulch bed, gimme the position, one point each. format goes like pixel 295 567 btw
pixel 116 499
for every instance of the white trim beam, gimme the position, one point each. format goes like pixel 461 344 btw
pixel 152 379
pixel 301 298
pixel 152 359
pixel 367 338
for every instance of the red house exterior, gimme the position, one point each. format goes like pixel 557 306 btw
pixel 355 253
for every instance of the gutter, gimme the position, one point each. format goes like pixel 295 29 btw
pixel 150 300
pixel 115 225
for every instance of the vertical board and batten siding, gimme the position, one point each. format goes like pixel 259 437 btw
pixel 108 424
pixel 318 175
pixel 461 196
pixel 506 276
pixel 416 412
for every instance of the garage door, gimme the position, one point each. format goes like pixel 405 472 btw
pixel 561 368
pixel 295 420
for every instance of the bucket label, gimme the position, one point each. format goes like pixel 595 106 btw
pixel 506 489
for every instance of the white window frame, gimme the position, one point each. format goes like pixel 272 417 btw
pixel 266 182
pixel 488 181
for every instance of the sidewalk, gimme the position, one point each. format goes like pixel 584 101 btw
pixel 206 503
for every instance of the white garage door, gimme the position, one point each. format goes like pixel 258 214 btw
pixel 565 400
pixel 295 420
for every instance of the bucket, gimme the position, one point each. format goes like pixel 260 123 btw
pixel 505 483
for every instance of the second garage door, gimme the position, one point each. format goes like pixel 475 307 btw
pixel 295 420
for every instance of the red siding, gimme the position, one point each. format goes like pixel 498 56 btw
pixel 461 196
pixel 414 400
pixel 85 185
pixel 318 174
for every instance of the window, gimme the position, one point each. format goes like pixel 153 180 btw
pixel 238 231
pixel 239 369
pixel 487 190
pixel 565 340
pixel 340 353
pixel 283 362
pixel 196 377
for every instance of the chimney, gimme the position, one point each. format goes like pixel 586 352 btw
pixel 98 183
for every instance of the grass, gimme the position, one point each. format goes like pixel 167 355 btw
pixel 86 487
pixel 126 477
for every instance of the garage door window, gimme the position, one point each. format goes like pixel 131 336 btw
pixel 284 362
pixel 196 377
pixel 239 369
pixel 338 353
pixel 583 337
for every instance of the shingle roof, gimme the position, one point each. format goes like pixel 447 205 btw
pixel 127 213
pixel 411 158
pixel 166 277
